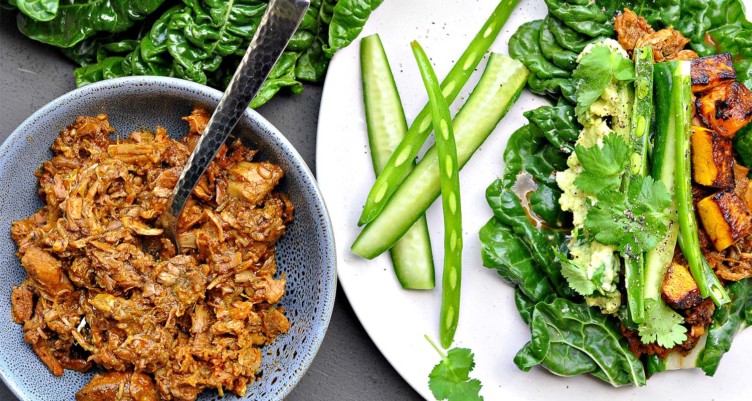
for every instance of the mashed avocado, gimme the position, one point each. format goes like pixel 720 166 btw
pixel 609 113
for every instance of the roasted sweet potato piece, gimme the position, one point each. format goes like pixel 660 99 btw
pixel 710 71
pixel 725 218
pixel 712 159
pixel 725 108
pixel 679 288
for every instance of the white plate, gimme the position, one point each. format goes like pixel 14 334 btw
pixel 489 324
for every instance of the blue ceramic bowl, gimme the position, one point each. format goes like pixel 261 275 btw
pixel 305 253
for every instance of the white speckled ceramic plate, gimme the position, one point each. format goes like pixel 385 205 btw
pixel 396 319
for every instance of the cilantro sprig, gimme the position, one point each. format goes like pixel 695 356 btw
pixel 662 325
pixel 450 379
pixel 595 71
pixel 629 211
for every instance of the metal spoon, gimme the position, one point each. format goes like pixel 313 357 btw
pixel 277 26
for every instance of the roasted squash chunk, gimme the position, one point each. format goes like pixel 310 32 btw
pixel 725 217
pixel 679 288
pixel 725 108
pixel 712 159
pixel 710 71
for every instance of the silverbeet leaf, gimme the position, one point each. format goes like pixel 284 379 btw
pixel 77 20
pixel 347 21
pixel 570 339
pixel 38 10
pixel 502 250
pixel 198 40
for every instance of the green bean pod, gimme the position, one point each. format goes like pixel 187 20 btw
pixel 450 198
pixel 400 163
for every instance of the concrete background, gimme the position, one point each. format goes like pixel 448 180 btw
pixel 348 365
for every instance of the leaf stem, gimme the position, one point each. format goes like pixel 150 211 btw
pixel 436 347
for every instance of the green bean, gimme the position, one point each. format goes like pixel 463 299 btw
pixel 681 96
pixel 450 198
pixel 400 163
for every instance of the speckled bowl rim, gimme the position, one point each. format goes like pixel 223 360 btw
pixel 297 159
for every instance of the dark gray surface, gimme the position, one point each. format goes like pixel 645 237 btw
pixel 348 365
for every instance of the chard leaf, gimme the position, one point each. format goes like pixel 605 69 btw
pixel 502 250
pixel 38 10
pixel 570 339
pixel 77 20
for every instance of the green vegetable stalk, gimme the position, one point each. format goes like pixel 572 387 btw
pixel 681 96
pixel 399 164
pixel 642 112
pixel 450 198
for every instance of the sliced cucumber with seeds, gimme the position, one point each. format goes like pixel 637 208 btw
pixel 498 89
pixel 398 166
pixel 411 255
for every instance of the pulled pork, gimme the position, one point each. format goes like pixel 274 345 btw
pixel 633 31
pixel 104 288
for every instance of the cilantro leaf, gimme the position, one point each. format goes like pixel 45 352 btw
pixel 595 72
pixel 634 221
pixel 576 275
pixel 450 379
pixel 603 166
pixel 662 325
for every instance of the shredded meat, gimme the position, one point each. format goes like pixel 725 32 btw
pixel 630 28
pixel 666 43
pixel 633 31
pixel 104 288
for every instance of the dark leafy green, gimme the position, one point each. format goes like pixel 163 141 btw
pixel 533 157
pixel 583 16
pixel 77 20
pixel 38 10
pixel 743 145
pixel 570 339
pixel 502 250
pixel 728 321
pixel 524 45
pixel 524 305
pixel 347 21
pixel 567 37
pixel 198 40
pixel 556 123
pixel 553 87
pixel 551 49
